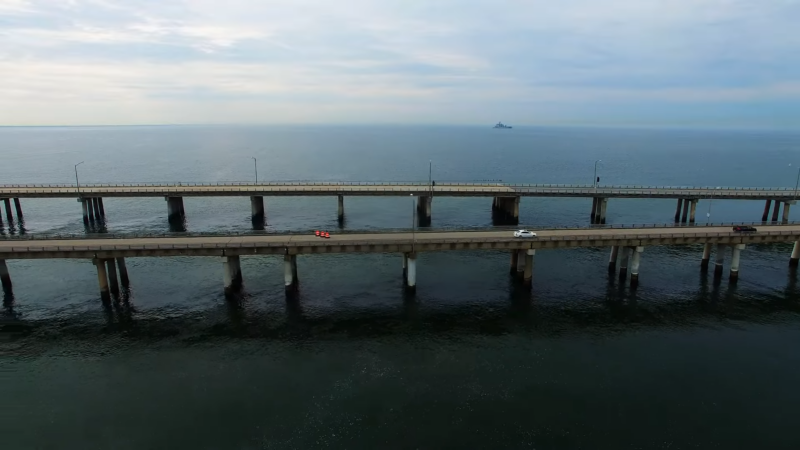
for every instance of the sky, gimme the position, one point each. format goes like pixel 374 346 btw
pixel 698 63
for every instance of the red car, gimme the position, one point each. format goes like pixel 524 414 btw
pixel 744 229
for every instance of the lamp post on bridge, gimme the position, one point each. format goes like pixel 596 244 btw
pixel 77 183
pixel 594 180
pixel 430 176
pixel 255 164
pixel 413 223
pixel 796 183
pixel 708 214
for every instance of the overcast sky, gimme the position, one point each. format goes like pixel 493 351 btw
pixel 593 62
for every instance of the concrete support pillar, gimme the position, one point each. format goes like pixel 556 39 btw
pixel 257 214
pixel 706 256
pixel 766 211
pixel 340 209
pixel 411 279
pixel 692 210
pixel 290 274
pixel 678 211
pixel 18 206
pixel 505 210
pixel 102 279
pixel 85 209
pixel 123 272
pixel 520 264
pixel 90 207
pixel 786 206
pixel 612 259
pixel 603 207
pixel 737 251
pixel 527 274
pixel 776 210
pixel 9 215
pixel 720 260
pixel 637 252
pixel 405 268
pixel 102 209
pixel 593 215
pixel 111 264
pixel 623 264
pixel 232 274
pixel 514 259
pixel 685 216
pixel 424 209
pixel 96 208
pixel 5 277
pixel 175 210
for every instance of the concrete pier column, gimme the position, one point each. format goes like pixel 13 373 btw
pixel 527 274
pixel 424 210
pixel 257 211
pixel 766 211
pixel 720 260
pixel 111 264
pixel 123 272
pixel 520 264
pixel 623 264
pixel 411 279
pixel 505 210
pixel 5 277
pixel 96 207
pixel 786 206
pixel 603 207
pixel 737 251
pixel 612 259
pixel 405 268
pixel 102 279
pixel 340 210
pixel 678 211
pixel 795 255
pixel 637 252
pixel 290 274
pixel 102 209
pixel 593 216
pixel 175 210
pixel 18 206
pixel 85 211
pixel 514 261
pixel 685 216
pixel 90 207
pixel 706 256
pixel 692 210
pixel 232 274
pixel 776 210
pixel 9 216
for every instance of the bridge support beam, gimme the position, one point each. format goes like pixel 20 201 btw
pixel 100 206
pixel 290 281
pixel 111 265
pixel 405 268
pixel 96 207
pixel 766 210
pixel 424 210
pixel 737 251
pixel 637 252
pixel 123 272
pixel 775 211
pixel 175 211
pixel 692 210
pixel 18 206
pixel 685 216
pixel 720 260
pixel 785 218
pixel 527 273
pixel 89 207
pixel 232 274
pixel 257 214
pixel 520 264
pixel 9 215
pixel 795 259
pixel 602 213
pixel 514 261
pixel 706 257
pixel 5 277
pixel 505 210
pixel 678 211
pixel 612 259
pixel 340 209
pixel 623 264
pixel 102 279
pixel 85 211
pixel 411 277
pixel 593 215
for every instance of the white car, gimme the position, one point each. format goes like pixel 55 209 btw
pixel 524 234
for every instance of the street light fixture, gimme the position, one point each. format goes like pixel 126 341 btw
pixel 413 223
pixel 255 164
pixel 796 183
pixel 77 183
pixel 708 214
pixel 594 180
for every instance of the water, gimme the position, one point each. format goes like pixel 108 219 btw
pixel 473 362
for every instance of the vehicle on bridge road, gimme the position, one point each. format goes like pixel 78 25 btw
pixel 524 234
pixel 744 229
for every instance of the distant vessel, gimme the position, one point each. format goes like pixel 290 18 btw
pixel 500 125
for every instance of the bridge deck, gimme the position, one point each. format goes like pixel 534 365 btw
pixel 383 242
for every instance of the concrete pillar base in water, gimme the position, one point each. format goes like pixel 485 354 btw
pixel 411 279
pixel 720 260
pixel 786 206
pixel 123 272
pixel 85 209
pixel 795 255
pixel 424 210
pixel 505 210
pixel 593 215
pixel 96 207
pixel 101 207
pixel 513 265
pixel 111 265
pixel 685 216
pixel 340 211
pixel 527 276
pixel 637 252
pixel 5 277
pixel 290 274
pixel 692 210
pixel 9 215
pixel 18 206
pixel 232 274
pixel 405 268
pixel 257 212
pixel 603 207
pixel 612 259
pixel 776 211
pixel 175 211
pixel 766 211
pixel 520 264
pixel 623 264
pixel 102 279
pixel 737 250
pixel 678 211
pixel 706 256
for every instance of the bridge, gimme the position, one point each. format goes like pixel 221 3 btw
pixel 626 243
pixel 505 205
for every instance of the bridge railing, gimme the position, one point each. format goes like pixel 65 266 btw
pixel 509 229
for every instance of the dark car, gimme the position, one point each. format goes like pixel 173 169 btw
pixel 744 229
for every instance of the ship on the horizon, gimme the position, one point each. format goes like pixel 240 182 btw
pixel 500 125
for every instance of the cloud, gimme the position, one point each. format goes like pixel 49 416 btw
pixel 182 61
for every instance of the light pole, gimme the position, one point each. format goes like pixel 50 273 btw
pixel 594 180
pixel 413 223
pixel 77 183
pixel 796 183
pixel 708 214
pixel 430 176
pixel 255 164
